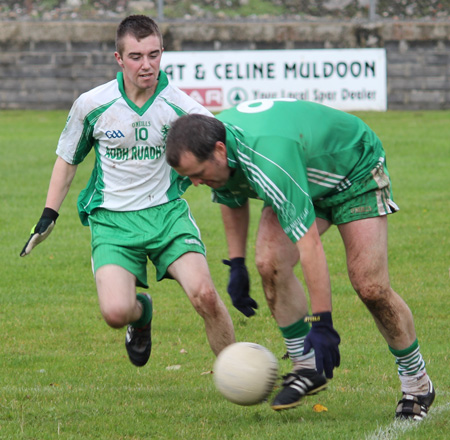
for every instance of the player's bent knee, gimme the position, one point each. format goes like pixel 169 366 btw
pixel 373 294
pixel 265 266
pixel 206 302
pixel 269 269
pixel 115 317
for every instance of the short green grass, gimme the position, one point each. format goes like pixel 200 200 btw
pixel 64 373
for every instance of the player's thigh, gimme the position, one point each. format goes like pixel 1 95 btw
pixel 365 244
pixel 273 246
pixel 178 236
pixel 116 289
pixel 192 273
pixel 116 239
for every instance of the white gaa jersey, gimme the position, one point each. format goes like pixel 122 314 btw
pixel 130 171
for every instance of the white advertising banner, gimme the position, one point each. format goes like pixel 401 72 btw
pixel 346 79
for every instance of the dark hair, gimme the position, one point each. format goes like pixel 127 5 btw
pixel 139 26
pixel 195 133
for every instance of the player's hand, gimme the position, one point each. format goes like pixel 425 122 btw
pixel 41 230
pixel 239 287
pixel 324 339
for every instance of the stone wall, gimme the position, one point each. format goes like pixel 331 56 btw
pixel 46 65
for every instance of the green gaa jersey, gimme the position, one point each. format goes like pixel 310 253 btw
pixel 293 155
pixel 130 171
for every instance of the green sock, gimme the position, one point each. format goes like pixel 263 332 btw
pixel 147 311
pixel 409 360
pixel 294 338
pixel 296 330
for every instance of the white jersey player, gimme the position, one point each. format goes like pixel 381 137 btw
pixel 132 200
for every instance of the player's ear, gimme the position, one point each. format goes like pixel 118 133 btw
pixel 118 59
pixel 221 150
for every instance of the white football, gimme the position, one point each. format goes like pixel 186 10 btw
pixel 245 373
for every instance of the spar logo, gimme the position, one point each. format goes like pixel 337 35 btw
pixel 209 97
pixel 236 95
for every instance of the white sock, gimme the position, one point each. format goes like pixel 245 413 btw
pixel 295 349
pixel 416 384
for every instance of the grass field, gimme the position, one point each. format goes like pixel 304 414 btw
pixel 64 373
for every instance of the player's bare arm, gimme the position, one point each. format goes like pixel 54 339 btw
pixel 235 221
pixel 62 176
pixel 315 270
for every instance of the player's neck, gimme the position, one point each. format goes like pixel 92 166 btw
pixel 139 96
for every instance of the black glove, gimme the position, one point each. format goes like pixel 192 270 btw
pixel 324 339
pixel 239 286
pixel 41 230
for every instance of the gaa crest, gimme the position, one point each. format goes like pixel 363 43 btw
pixel 287 211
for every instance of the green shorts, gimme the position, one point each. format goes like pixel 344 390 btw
pixel 369 197
pixel 161 233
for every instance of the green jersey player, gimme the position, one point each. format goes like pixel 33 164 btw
pixel 313 166
pixel 132 200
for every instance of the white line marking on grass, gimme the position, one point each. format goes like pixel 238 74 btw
pixel 398 427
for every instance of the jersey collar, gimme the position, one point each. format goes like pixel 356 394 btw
pixel 162 84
